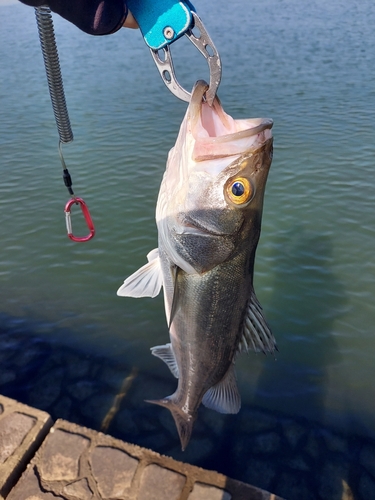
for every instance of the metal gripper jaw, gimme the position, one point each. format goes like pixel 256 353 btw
pixel 164 22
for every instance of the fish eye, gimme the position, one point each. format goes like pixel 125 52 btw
pixel 239 190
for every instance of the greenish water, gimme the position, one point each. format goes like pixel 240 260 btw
pixel 310 67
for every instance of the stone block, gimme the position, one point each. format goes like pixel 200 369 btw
pixel 205 492
pixel 29 488
pixel 14 427
pixel 76 463
pixel 79 489
pixel 113 470
pixel 158 483
pixel 61 454
pixel 22 430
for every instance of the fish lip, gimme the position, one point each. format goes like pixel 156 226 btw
pixel 195 106
pixel 216 135
pixel 192 227
pixel 264 124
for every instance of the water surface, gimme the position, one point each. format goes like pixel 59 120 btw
pixel 310 67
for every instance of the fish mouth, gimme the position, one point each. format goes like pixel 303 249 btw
pixel 216 134
pixel 189 224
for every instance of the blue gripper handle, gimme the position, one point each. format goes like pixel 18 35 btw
pixel 161 21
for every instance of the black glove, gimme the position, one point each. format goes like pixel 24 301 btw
pixel 96 17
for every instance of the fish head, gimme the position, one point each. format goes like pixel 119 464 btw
pixel 212 192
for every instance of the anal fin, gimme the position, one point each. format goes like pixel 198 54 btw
pixel 256 334
pixel 147 281
pixel 224 396
pixel 166 354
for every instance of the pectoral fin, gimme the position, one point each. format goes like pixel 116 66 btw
pixel 147 281
pixel 175 270
pixel 166 354
pixel 256 333
pixel 224 396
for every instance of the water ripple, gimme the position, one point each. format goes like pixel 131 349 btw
pixel 305 66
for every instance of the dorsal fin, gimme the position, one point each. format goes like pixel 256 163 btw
pixel 147 281
pixel 256 334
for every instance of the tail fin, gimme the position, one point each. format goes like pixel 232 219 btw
pixel 184 421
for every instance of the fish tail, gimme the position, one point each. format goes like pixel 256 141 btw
pixel 184 421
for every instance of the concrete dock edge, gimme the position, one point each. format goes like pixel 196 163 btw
pixel 40 460
pixel 22 431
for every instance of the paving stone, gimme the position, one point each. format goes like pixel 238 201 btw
pixel 79 489
pixel 113 470
pixel 206 492
pixel 158 483
pixel 22 429
pixel 30 489
pixel 61 454
pixel 13 429
pixel 76 463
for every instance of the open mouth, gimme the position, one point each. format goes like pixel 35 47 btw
pixel 217 134
pixel 190 225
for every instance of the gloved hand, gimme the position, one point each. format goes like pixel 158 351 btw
pixel 96 17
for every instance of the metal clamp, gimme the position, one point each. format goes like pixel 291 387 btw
pixel 206 47
pixel 162 22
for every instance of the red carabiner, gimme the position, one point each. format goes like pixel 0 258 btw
pixel 87 216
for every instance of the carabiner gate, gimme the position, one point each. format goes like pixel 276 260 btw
pixel 87 216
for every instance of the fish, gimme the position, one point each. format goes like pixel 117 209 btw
pixel 208 216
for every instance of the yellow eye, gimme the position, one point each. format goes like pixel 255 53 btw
pixel 239 190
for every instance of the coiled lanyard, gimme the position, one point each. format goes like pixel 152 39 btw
pixel 56 90
pixel 162 22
